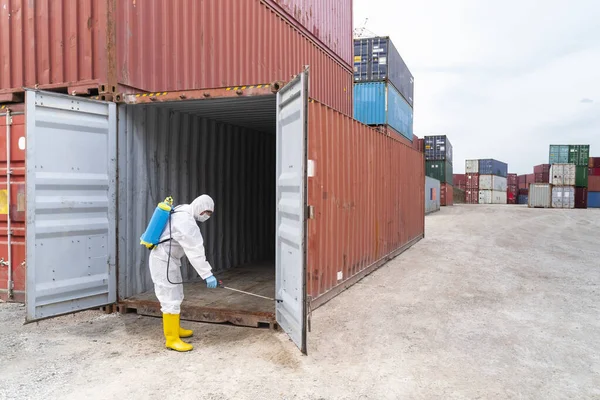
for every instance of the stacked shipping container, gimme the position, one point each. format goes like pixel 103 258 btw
pixel 472 173
pixel 383 86
pixel 217 43
pixel 438 165
pixel 569 175
pixel 492 185
pixel 512 189
pixel 593 195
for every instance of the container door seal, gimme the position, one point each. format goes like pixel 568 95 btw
pixel 290 258
pixel 71 204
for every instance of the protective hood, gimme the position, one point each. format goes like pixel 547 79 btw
pixel 201 204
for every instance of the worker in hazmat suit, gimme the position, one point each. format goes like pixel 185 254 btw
pixel 180 236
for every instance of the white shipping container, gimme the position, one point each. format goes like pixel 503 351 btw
pixel 472 166
pixel 540 195
pixel 492 197
pixel 563 197
pixel 492 182
pixel 563 174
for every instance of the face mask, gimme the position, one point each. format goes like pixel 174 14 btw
pixel 203 218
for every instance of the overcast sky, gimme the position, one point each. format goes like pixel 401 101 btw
pixel 502 79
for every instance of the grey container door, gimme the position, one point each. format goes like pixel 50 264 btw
pixel 71 204
pixel 290 258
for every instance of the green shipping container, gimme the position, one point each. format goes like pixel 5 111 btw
pixel 579 155
pixel 581 176
pixel 440 170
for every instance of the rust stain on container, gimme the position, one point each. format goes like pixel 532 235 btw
pixel 16 207
pixel 374 203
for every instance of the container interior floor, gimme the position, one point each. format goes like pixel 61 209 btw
pixel 222 305
pixel 221 147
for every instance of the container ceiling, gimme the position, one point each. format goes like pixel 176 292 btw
pixel 257 113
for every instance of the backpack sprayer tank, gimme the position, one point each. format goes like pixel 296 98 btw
pixel 157 224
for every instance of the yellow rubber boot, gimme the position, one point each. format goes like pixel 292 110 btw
pixel 171 330
pixel 184 333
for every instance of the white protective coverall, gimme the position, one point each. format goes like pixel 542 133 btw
pixel 187 240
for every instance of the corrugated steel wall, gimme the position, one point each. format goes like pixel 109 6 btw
pixel 330 21
pixel 368 198
pixel 220 44
pixel 236 166
pixel 17 207
pixel 52 42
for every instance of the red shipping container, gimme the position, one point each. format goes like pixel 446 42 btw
pixel 446 194
pixel 16 210
pixel 329 21
pixel 512 192
pixel 594 183
pixel 522 181
pixel 473 182
pixel 594 162
pixel 384 203
pixel 594 171
pixel 542 177
pixel 581 197
pixel 459 180
pixel 541 169
pixel 511 179
pixel 422 145
pixel 530 179
pixel 472 196
pixel 523 192
pixel 153 46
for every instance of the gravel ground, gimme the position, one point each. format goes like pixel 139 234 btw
pixel 498 302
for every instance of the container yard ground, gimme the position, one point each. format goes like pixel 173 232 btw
pixel 497 302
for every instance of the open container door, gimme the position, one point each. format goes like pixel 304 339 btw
pixel 290 257
pixel 71 204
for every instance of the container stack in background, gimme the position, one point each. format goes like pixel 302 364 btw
pixel 569 175
pixel 383 88
pixel 594 182
pixel 492 181
pixel 438 165
pixel 472 181
pixel 512 189
pixel 523 187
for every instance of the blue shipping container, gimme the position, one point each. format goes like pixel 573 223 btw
pixel 593 200
pixel 376 59
pixel 493 167
pixel 438 148
pixel 559 154
pixel 432 195
pixel 523 199
pixel 378 103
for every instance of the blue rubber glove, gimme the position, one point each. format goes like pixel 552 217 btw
pixel 211 282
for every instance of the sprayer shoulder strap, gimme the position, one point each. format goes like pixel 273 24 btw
pixel 170 213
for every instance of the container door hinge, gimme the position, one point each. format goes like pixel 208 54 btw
pixel 310 212
pixel 4 263
pixel 9 121
pixel 11 285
